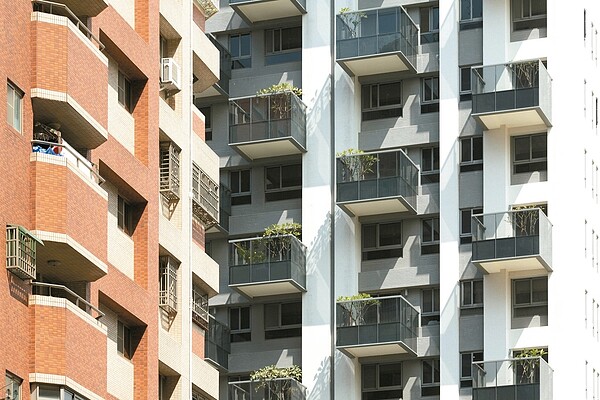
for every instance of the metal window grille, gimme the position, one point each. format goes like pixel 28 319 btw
pixel 205 197
pixel 20 252
pixel 169 171
pixel 199 307
pixel 167 296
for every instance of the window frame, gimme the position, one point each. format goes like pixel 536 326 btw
pixel 373 112
pixel 471 164
pixel 471 22
pixel 435 382
pixel 239 61
pixel 429 173
pixel 378 247
pixel 243 334
pixel 434 99
pixel 471 283
pixel 276 192
pixel 124 347
pixel 271 55
pixel 294 330
pixel 167 283
pixel 12 91
pixel 124 92
pixel 466 381
pixel 429 35
pixel 428 316
pixel 241 197
pixel 378 387
pixel 531 159
pixel 531 303
pixel 125 216
pixel 521 18
pixel 467 237
pixel 431 246
pixel 10 381
pixel 207 112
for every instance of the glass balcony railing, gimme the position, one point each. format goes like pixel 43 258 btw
pixel 527 378
pixel 259 124
pixel 507 239
pixel 505 89
pixel 282 388
pixel 217 345
pixel 259 262
pixel 376 177
pixel 373 33
pixel 365 324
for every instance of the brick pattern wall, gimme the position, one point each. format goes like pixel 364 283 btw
pixel 198 340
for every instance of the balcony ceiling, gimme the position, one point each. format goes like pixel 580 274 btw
pixel 376 64
pixel 515 264
pixel 268 148
pixel 255 11
pixel 85 8
pixel 377 207
pixel 513 119
pixel 376 350
pixel 268 288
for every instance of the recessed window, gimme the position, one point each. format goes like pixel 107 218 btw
pixel 283 182
pixel 207 112
pixel 239 323
pixel 283 45
pixel 471 154
pixel 430 165
pixel 430 377
pixel 12 387
pixel 430 236
pixel 124 92
pixel 530 299
pixel 381 241
pixel 471 12
pixel 14 99
pixel 430 306
pixel 528 15
pixel 240 50
pixel 430 94
pixel 283 320
pixel 530 155
pixel 471 293
pixel 124 340
pixel 381 381
pixel 381 100
pixel 125 216
pixel 466 223
pixel 430 24
pixel 240 187
pixel 466 367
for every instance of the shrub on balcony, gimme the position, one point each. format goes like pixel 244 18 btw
pixel 278 381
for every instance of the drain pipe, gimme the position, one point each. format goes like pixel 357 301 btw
pixel 332 201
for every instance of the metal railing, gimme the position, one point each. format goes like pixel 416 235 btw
pixel 63 149
pixel 199 306
pixel 50 7
pixel 280 389
pixel 377 320
pixel 21 252
pixel 205 196
pixel 169 171
pixel 51 289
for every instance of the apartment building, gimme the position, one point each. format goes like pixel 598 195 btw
pixel 108 189
pixel 443 159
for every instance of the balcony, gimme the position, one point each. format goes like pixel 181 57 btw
pixel 512 95
pixel 377 183
pixel 377 326
pixel 268 125
pixel 217 345
pixel 205 197
pixel 205 61
pixel 70 77
pixel 281 388
pixel 517 240
pixel 88 8
pixel 377 41
pixel 267 266
pixel 513 379
pixel 69 213
pixel 263 10
pixel 224 211
pixel 220 90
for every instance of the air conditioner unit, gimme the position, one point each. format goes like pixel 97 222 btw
pixel 170 74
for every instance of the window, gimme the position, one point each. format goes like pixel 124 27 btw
pixel 381 241
pixel 283 320
pixel 465 83
pixel 528 14
pixel 471 12
pixel 125 216
pixel 239 323
pixel 430 236
pixel 207 112
pixel 430 24
pixel 430 306
pixel 168 284
pixel 21 252
pixel 430 377
pixel 12 387
pixel 14 114
pixel 530 155
pixel 240 187
pixel 283 45
pixel 466 221
pixel 382 381
pixel 466 367
pixel 199 306
pixel 530 298
pixel 471 293
pixel 430 165
pixel 381 100
pixel 240 50
pixel 124 92
pixel 471 154
pixel 169 171
pixel 124 340
pixel 430 94
pixel 283 182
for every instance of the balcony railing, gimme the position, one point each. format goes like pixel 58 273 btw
pixel 384 32
pixel 63 292
pixel 280 389
pixel 199 307
pixel 217 346
pixel 513 240
pixel 377 183
pixel 21 251
pixel 268 125
pixel 377 326
pixel 205 197
pixel 169 171
pixel 512 94
pixel 167 292
pixel 527 378
pixel 268 265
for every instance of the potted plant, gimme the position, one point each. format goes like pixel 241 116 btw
pixel 278 382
